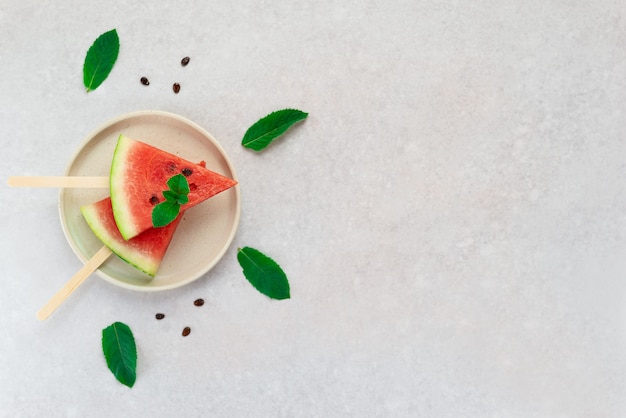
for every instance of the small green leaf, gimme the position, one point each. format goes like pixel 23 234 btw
pixel 164 213
pixel 182 199
pixel 120 352
pixel 178 184
pixel 100 59
pixel 270 127
pixel 263 273
pixel 170 196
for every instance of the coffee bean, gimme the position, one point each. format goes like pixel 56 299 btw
pixel 176 88
pixel 198 302
pixel 186 331
pixel 160 316
pixel 184 61
pixel 144 81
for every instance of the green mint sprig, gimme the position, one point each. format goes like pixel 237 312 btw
pixel 270 127
pixel 100 59
pixel 165 212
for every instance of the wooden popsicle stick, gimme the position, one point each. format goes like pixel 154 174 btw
pixel 90 266
pixel 58 181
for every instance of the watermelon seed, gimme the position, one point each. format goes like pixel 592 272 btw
pixel 184 61
pixel 186 331
pixel 159 316
pixel 144 81
pixel 171 167
pixel 154 200
pixel 176 88
pixel 198 302
pixel 187 171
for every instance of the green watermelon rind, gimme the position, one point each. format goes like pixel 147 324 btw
pixel 117 178
pixel 136 259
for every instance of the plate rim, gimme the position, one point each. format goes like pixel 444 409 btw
pixel 103 126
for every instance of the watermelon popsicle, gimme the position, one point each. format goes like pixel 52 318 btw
pixel 139 175
pixel 144 252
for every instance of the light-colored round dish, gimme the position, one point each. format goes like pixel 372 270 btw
pixel 207 229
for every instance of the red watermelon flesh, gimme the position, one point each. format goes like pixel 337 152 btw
pixel 139 175
pixel 144 252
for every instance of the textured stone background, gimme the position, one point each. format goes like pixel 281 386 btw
pixel 452 214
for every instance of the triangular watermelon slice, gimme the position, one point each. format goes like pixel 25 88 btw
pixel 139 175
pixel 144 252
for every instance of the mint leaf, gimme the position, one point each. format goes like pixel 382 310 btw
pixel 182 199
pixel 164 213
pixel 270 127
pixel 100 59
pixel 170 196
pixel 178 184
pixel 263 273
pixel 120 352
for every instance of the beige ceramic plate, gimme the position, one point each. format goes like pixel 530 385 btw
pixel 206 230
